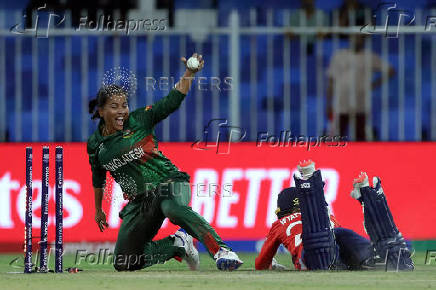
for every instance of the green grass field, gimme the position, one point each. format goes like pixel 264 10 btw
pixel 174 275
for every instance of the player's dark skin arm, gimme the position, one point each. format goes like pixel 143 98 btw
pixel 185 82
pixel 100 216
pixel 167 105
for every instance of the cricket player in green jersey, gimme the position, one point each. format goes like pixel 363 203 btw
pixel 125 145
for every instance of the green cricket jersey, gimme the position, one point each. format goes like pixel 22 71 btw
pixel 131 155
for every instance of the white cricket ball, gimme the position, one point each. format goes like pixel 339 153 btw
pixel 193 63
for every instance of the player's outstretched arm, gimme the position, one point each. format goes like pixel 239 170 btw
pixel 185 82
pixel 165 106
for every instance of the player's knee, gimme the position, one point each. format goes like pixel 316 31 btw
pixel 167 211
pixel 119 262
pixel 132 262
pixel 171 210
pixel 120 267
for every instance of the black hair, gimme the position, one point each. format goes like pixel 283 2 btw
pixel 103 95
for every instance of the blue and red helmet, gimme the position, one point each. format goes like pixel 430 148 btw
pixel 287 202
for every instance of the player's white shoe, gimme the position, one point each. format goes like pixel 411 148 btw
pixel 227 260
pixel 306 169
pixel 359 182
pixel 184 240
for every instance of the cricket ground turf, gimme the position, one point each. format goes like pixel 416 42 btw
pixel 175 275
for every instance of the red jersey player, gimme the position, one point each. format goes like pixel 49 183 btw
pixel 286 230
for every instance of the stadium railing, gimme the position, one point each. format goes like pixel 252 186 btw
pixel 46 83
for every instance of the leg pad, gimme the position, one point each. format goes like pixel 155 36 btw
pixel 318 238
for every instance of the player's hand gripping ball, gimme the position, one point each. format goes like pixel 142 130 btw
pixel 195 63
pixel 192 63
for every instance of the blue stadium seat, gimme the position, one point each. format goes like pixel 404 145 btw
pixel 190 103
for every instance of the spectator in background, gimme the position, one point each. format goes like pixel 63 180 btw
pixel 308 16
pixel 168 5
pixel 6 136
pixel 348 8
pixel 348 73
